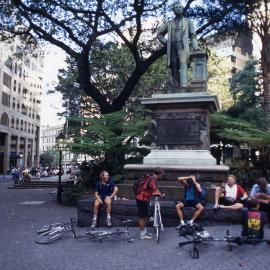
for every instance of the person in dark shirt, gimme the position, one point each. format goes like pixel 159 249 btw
pixel 191 198
pixel 261 192
pixel 104 192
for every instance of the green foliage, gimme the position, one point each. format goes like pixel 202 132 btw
pixel 247 95
pixel 218 82
pixel 237 131
pixel 49 158
pixel 109 134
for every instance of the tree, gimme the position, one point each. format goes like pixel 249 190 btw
pixel 237 131
pixel 112 139
pixel 259 21
pixel 247 95
pixel 111 65
pixel 218 80
pixel 75 26
pixel 49 158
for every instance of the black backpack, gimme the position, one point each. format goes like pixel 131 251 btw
pixel 142 184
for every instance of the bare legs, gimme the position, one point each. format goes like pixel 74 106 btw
pixel 199 210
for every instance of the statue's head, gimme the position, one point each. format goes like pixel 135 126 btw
pixel 177 8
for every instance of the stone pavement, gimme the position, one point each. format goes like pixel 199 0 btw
pixel 23 211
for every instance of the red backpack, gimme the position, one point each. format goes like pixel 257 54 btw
pixel 142 184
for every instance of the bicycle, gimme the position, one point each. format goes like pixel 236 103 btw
pixel 156 219
pixel 101 235
pixel 196 235
pixel 53 232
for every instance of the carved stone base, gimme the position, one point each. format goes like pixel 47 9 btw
pixel 181 141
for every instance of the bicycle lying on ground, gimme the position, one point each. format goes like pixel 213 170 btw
pixel 156 219
pixel 53 232
pixel 102 235
pixel 196 235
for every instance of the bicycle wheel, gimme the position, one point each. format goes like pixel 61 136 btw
pixel 47 228
pixel 50 236
pixel 158 233
pixel 157 227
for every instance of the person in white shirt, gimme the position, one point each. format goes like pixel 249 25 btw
pixel 230 196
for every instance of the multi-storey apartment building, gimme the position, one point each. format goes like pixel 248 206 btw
pixel 238 49
pixel 48 143
pixel 20 105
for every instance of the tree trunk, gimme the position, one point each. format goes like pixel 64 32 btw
pixel 266 83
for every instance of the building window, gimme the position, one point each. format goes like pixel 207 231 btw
pixel 21 125
pixel 8 63
pixel 5 99
pixel 233 58
pixel 12 122
pixel 13 103
pixel 19 88
pixel 24 109
pixel 234 70
pixel 7 80
pixel 17 124
pixel 14 86
pixel 4 120
pixel 15 68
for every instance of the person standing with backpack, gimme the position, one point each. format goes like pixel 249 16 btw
pixel 193 197
pixel 144 189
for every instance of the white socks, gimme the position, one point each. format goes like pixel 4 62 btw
pixel 143 232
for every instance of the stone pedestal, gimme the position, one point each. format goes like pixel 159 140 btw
pixel 181 141
pixel 199 71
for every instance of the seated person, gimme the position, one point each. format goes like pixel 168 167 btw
pixel 230 196
pixel 191 198
pixel 253 220
pixel 105 191
pixel 261 193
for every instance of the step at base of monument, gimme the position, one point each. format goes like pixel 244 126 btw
pixel 205 173
pixel 172 192
pixel 126 209
pixel 39 184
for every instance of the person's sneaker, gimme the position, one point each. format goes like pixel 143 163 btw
pixel 109 222
pixel 94 224
pixel 180 225
pixel 190 223
pixel 146 236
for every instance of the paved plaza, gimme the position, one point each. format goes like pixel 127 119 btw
pixel 23 211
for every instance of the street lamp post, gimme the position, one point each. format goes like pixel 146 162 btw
pixel 59 141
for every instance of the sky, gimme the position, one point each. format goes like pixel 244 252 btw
pixel 51 104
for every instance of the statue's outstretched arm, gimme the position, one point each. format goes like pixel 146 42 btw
pixel 162 32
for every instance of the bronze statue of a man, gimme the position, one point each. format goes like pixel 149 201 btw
pixel 180 41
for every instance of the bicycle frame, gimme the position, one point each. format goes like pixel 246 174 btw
pixel 157 214
pixel 101 235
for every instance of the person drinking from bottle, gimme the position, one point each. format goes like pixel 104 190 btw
pixel 192 198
